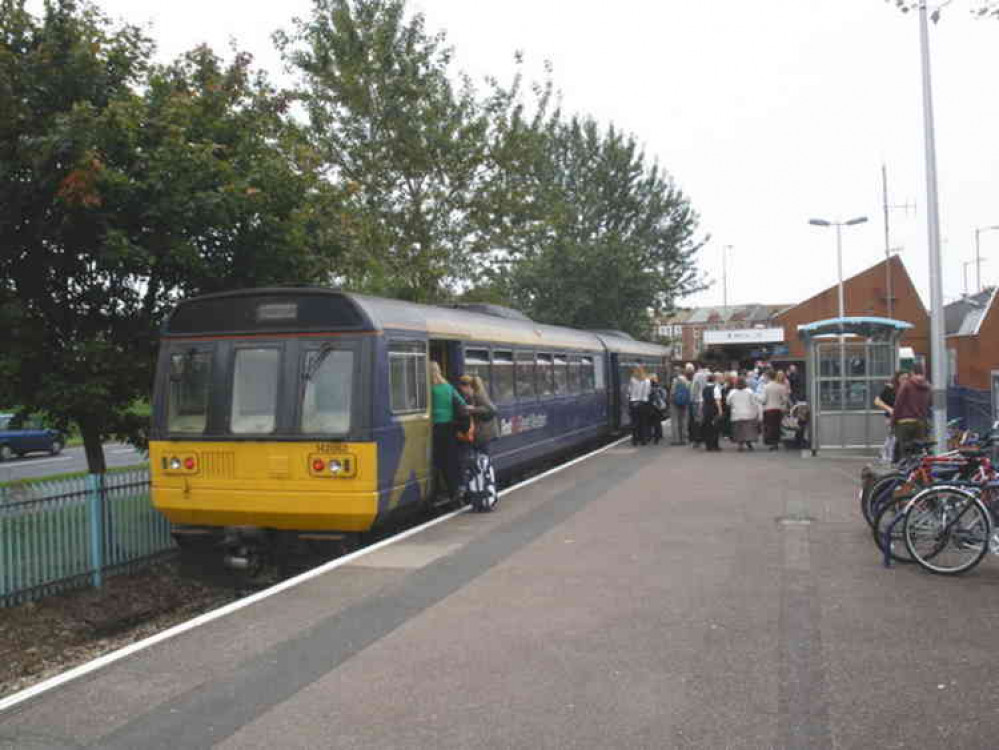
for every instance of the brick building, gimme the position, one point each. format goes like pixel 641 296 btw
pixel 973 340
pixel 863 295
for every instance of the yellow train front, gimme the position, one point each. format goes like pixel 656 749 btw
pixel 294 413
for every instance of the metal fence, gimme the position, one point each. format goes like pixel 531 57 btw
pixel 69 533
pixel 972 406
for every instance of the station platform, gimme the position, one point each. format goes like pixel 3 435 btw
pixel 646 597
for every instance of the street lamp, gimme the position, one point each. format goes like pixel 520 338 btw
pixel 842 307
pixel 839 249
pixel 978 254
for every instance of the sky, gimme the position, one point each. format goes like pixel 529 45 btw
pixel 766 113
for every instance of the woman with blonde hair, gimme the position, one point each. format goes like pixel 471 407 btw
pixel 447 407
pixel 478 479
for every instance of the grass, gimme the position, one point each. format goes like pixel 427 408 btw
pixel 71 475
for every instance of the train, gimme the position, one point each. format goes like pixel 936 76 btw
pixel 303 413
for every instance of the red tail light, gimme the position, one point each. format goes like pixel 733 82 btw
pixel 318 465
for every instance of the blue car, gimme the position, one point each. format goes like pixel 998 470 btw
pixel 30 439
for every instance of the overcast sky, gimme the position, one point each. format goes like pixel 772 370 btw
pixel 765 112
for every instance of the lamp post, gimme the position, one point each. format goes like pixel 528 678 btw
pixel 978 255
pixel 842 305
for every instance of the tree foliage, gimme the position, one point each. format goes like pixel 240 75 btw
pixel 406 143
pixel 611 239
pixel 979 8
pixel 122 186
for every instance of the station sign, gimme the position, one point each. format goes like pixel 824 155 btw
pixel 744 336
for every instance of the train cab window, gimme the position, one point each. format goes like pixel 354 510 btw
pixel 329 385
pixel 187 398
pixel 546 376
pixel 503 390
pixel 408 376
pixel 477 363
pixel 561 374
pixel 255 391
pixel 524 369
pixel 575 374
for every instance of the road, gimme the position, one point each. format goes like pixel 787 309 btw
pixel 70 460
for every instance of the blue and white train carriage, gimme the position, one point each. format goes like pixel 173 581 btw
pixel 306 411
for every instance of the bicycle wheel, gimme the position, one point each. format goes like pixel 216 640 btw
pixel 947 530
pixel 879 493
pixel 888 526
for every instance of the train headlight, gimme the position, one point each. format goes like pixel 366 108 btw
pixel 185 463
pixel 338 466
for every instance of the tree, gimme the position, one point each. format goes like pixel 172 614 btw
pixel 616 242
pixel 115 202
pixel 407 145
pixel 979 8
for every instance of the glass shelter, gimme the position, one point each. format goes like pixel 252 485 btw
pixel 849 361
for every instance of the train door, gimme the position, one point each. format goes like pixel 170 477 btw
pixel 448 355
pixel 618 405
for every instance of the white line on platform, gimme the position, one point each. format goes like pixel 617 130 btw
pixel 215 614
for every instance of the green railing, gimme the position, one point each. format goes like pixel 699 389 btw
pixel 69 533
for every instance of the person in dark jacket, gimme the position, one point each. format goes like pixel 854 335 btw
pixel 658 408
pixel 710 413
pixel 911 411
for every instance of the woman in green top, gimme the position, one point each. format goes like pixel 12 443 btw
pixel 447 408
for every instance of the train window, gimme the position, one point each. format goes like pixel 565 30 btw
pixel 546 378
pixel 255 391
pixel 408 376
pixel 329 385
pixel 561 374
pixel 503 376
pixel 597 366
pixel 524 370
pixel 187 399
pixel 575 375
pixel 477 363
pixel 586 374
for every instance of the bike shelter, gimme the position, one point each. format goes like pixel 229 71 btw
pixel 849 361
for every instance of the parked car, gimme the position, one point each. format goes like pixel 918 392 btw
pixel 29 438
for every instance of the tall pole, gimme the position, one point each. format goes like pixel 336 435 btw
pixel 842 335
pixel 884 194
pixel 937 344
pixel 725 249
pixel 978 262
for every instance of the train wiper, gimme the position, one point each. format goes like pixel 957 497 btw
pixel 317 362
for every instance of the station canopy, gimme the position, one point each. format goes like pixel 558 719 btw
pixel 867 327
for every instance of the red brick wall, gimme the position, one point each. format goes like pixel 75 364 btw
pixel 864 294
pixel 978 355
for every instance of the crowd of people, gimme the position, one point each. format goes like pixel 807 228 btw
pixel 705 406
